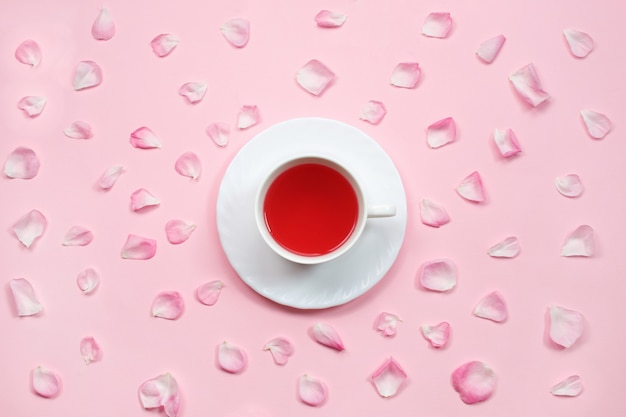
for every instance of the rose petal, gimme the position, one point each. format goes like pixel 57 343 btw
pixel 569 185
pixel 441 133
pixel 88 280
pixel 597 124
pixel 28 53
pixel 579 243
pixel 30 227
pixel 219 132
pixel 137 247
pixel 79 130
pixel 489 49
pixel 188 165
pixel 26 302
pixel 88 74
pixel 164 44
pixel 103 27
pixel 570 387
pixel 566 326
pixel 32 105
pixel 527 85
pixel 474 381
pixel 387 323
pixel 508 248
pixel 388 378
pixel 209 293
pixel 78 236
pixel 46 383
pixel 142 198
pixel 161 391
pixel 193 91
pixel 89 349
pixel 406 75
pixel 280 348
pixel 248 116
pixel 22 163
pixel 438 275
pixel 437 335
pixel 437 25
pixel 506 142
pixel 110 176
pixel 328 19
pixel 315 77
pixel 231 358
pixel 168 305
pixel 373 112
pixel 144 138
pixel 178 231
pixel 236 31
pixel 580 43
pixel 312 391
pixel 471 188
pixel 492 307
pixel 326 335
pixel 433 214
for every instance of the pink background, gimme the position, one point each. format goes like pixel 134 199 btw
pixel 141 89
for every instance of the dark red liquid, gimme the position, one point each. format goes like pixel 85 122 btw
pixel 311 209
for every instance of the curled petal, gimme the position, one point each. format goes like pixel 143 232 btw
pixel 22 163
pixel 168 305
pixel 280 348
pixel 88 280
pixel 387 323
pixel 137 247
pixel 248 116
pixel 474 381
pixel 489 49
pixel 28 53
pixel 312 391
pixel 326 335
pixel 437 25
pixel 328 19
pixel 219 132
pixel 580 43
pixel 231 358
pixel 209 293
pixel 161 391
pixel 438 275
pixel 579 243
pixel 566 326
pixel 193 91
pixel 144 138
pixel 508 248
pixel 236 31
pixel 188 165
pixel 570 387
pixel 30 227
pixel 32 105
pixel 437 335
pixel 110 176
pixel 569 185
pixel 315 77
pixel 46 383
pixel 597 124
pixel 506 141
pixel 79 130
pixel 471 188
pixel 492 307
pixel 26 302
pixel 78 236
pixel 373 112
pixel 406 75
pixel 389 378
pixel 441 133
pixel 103 27
pixel 164 44
pixel 89 349
pixel 87 74
pixel 526 83
pixel 433 214
pixel 142 198
pixel 178 231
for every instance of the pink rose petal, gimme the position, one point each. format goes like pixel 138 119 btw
pixel 471 188
pixel 79 130
pixel 103 27
pixel 142 198
pixel 312 391
pixel 193 91
pixel 161 391
pixel 26 303
pixel 433 214
pixel 209 293
pixel 88 280
pixel 78 236
pixel 280 348
pixel 90 350
pixel 598 125
pixel 219 132
pixel 580 43
pixel 437 25
pixel 164 44
pixel 373 112
pixel 46 383
pixel 248 116
pixel 527 85
pixel 438 275
pixel 188 165
pixel 30 227
pixel 492 307
pixel 508 248
pixel 22 163
pixel 569 185
pixel 326 335
pixel 178 231
pixel 328 19
pixel 387 323
pixel 110 176
pixel 231 358
pixel 489 49
pixel 474 381
pixel 236 31
pixel 579 243
pixel 406 75
pixel 506 142
pixel 388 378
pixel 145 138
pixel 441 133
pixel 168 305
pixel 437 335
pixel 87 74
pixel 137 247
pixel 28 53
pixel 566 326
pixel 32 105
pixel 569 387
pixel 315 77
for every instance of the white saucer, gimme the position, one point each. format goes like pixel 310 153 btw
pixel 310 286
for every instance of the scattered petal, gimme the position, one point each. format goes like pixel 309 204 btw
pixel 28 53
pixel 492 307
pixel 236 31
pixel 569 185
pixel 144 138
pixel 78 236
pixel 24 297
pixel 506 141
pixel 373 112
pixel 328 19
pixel 22 163
pixel 30 227
pixel 312 391
pixel 178 231
pixel 489 49
pixel 579 243
pixel 231 358
pixel 79 130
pixel 164 44
pixel 209 293
pixel 406 75
pixel 570 387
pixel 88 74
pixel 90 350
pixel 46 383
pixel 314 77
pixel 280 348
pixel 142 198
pixel 474 381
pixel 527 85
pixel 387 324
pixel 248 116
pixel 193 91
pixel 32 105
pixel 188 165
pixel 437 335
pixel 168 305
pixel 326 335
pixel 441 133
pixel 438 275
pixel 597 124
pixel 433 214
pixel 161 391
pixel 508 248
pixel 389 378
pixel 219 132
pixel 566 326
pixel 471 188
pixel 103 27
pixel 110 176
pixel 580 43
pixel 137 247
pixel 437 25
pixel 88 280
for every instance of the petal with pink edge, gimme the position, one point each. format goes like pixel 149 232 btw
pixel 387 324
pixel 30 227
pixel 598 125
pixel 237 32
pixel 489 49
pixel 28 53
pixel 188 165
pixel 26 303
pixel 178 231
pixel 315 77
pixel 508 248
pixel 79 130
pixel 168 305
pixel 137 247
pixel 579 243
pixel 474 381
pixel 231 358
pixel 441 133
pixel 46 383
pixel 566 326
pixel 492 307
pixel 22 163
pixel 326 335
pixel 248 116
pixel 312 391
pixel 280 348
pixel 328 19
pixel 433 214
pixel 526 83
pixel 438 335
pixel 161 391
pixel 89 349
pixel 110 177
pixel 193 91
pixel 437 25
pixel 32 106
pixel 164 44
pixel 388 378
pixel 144 138
pixel 471 188
pixel 219 133
pixel 438 275
pixel 209 293
pixel 406 75
pixel 580 43
pixel 569 387
pixel 569 185
pixel 78 236
pixel 141 199
pixel 87 74
pixel 507 143
pixel 373 112
pixel 88 280
pixel 103 27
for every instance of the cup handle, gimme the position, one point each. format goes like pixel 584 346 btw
pixel 381 211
